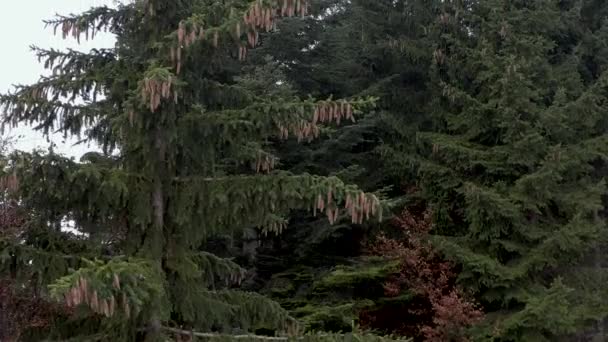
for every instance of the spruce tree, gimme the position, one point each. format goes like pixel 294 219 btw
pixel 186 157
pixel 513 168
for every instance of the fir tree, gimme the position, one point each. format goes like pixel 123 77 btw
pixel 513 168
pixel 193 162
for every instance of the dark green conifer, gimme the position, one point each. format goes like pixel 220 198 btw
pixel 513 169
pixel 354 48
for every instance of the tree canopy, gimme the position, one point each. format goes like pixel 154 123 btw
pixel 322 170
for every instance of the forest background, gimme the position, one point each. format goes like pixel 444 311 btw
pixel 313 170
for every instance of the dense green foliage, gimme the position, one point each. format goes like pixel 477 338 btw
pixel 318 271
pixel 227 127
pixel 514 170
pixel 492 116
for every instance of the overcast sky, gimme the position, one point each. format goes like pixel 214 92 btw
pixel 21 26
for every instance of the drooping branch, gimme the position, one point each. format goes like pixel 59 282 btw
pixel 158 83
pixel 67 86
pixel 259 15
pixel 50 115
pixel 72 61
pixel 300 118
pixel 213 201
pixel 93 21
pixel 104 287
pixel 88 193
pixel 51 103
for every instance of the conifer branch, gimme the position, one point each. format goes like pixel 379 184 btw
pixel 300 118
pixel 92 21
pixel 261 161
pixel 72 61
pixel 66 86
pixel 213 267
pixel 277 191
pixel 47 114
pixel 109 288
pixel 259 15
pixel 30 251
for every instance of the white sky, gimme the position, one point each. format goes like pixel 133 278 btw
pixel 21 26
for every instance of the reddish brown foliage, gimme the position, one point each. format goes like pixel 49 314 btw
pixel 440 311
pixel 11 220
pixel 21 307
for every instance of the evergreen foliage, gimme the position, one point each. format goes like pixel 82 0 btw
pixel 355 48
pixel 491 115
pixel 228 127
pixel 514 166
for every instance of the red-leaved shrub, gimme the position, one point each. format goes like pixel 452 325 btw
pixel 439 311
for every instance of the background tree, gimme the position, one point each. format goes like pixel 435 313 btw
pixel 193 163
pixel 513 166
pixel 482 127
pixel 349 48
pixel 490 131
